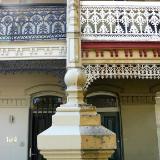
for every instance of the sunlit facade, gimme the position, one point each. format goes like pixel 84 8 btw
pixel 120 55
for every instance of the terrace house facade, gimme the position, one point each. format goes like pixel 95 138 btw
pixel 120 56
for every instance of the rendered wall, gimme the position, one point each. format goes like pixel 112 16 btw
pixel 13 136
pixel 138 119
pixel 139 132
pixel 139 129
pixel 14 85
pixel 15 90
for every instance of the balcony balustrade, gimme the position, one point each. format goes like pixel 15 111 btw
pixel 100 20
pixel 120 21
pixel 18 23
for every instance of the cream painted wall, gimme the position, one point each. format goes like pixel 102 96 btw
pixel 138 121
pixel 19 129
pixel 14 88
pixel 139 129
pixel 14 85
pixel 139 132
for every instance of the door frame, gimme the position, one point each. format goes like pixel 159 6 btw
pixel 31 114
pixel 111 110
pixel 37 91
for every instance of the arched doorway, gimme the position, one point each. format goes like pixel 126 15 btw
pixel 42 109
pixel 108 107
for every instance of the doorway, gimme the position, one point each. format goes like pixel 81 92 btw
pixel 108 107
pixel 43 107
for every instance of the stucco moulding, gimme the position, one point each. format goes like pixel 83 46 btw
pixel 14 102
pixel 22 51
pixel 132 99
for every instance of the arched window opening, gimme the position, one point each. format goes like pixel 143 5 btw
pixel 46 103
pixel 108 107
pixel 42 109
pixel 102 101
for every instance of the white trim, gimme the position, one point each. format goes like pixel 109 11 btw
pixel 90 37
pixel 121 3
pixel 101 93
pixel 34 50
pixel 47 93
pixel 35 112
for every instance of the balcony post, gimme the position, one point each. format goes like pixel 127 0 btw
pixel 76 132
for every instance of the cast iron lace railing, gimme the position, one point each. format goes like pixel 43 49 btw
pixel 100 20
pixel 32 23
pixel 120 20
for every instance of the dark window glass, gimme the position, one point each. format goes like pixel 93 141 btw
pixel 102 101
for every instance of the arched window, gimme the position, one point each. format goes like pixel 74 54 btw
pixel 46 103
pixel 108 107
pixel 102 100
pixel 42 109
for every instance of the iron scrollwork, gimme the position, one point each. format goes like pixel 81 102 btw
pixel 32 23
pixel 120 71
pixel 121 21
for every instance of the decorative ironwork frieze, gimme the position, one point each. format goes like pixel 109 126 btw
pixel 55 67
pixel 120 21
pixel 121 71
pixel 32 65
pixel 19 23
pixel 99 21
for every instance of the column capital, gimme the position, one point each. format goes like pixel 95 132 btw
pixel 75 80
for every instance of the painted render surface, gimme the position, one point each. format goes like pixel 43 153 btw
pixel 14 135
pixel 138 121
pixel 15 101
pixel 139 132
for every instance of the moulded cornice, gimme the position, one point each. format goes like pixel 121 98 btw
pixel 44 89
